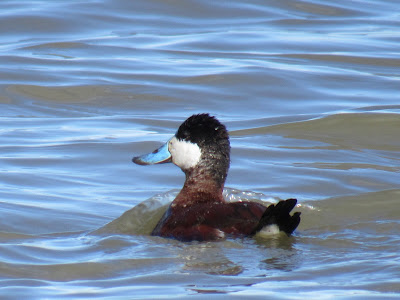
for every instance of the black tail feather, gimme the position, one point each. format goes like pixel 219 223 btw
pixel 279 215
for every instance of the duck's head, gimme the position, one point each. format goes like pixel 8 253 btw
pixel 200 147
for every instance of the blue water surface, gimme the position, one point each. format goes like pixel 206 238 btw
pixel 309 91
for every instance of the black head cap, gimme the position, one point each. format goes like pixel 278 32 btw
pixel 202 129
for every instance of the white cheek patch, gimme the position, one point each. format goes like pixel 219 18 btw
pixel 184 154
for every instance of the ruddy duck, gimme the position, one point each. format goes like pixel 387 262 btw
pixel 199 212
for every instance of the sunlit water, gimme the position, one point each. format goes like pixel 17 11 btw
pixel 310 91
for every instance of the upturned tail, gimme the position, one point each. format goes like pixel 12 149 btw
pixel 279 215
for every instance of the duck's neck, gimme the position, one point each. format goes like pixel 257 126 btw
pixel 199 187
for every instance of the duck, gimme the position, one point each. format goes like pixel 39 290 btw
pixel 201 149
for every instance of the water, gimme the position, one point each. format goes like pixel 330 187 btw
pixel 309 91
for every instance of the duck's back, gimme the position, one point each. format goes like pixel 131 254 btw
pixel 210 221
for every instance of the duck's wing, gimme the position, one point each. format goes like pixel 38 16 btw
pixel 210 221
